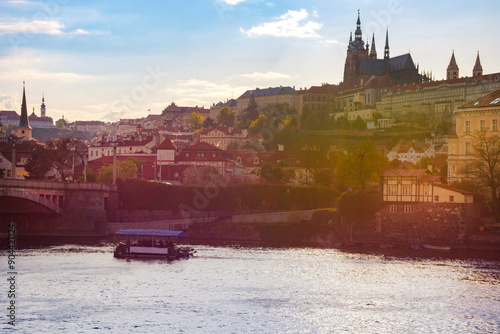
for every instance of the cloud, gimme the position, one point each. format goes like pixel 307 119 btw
pixel 231 2
pixel 201 92
pixel 9 102
pixel 266 76
pixel 50 27
pixel 288 25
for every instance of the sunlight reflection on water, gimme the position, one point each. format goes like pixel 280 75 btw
pixel 83 289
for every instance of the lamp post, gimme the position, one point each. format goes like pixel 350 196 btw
pixel 114 163
pixel 14 161
pixel 85 168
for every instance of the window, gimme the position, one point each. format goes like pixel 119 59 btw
pixel 467 148
pixel 200 154
pixel 407 208
pixel 187 154
pixel 393 208
pixel 426 190
pixel 467 126
pixel 436 198
pixel 494 125
pixel 452 198
pixel 482 125
pixel 453 171
pixel 406 190
pixel 214 154
pixel 392 190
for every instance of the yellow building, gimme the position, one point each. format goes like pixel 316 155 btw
pixel 268 96
pixel 481 115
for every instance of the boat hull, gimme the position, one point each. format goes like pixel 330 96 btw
pixel 438 248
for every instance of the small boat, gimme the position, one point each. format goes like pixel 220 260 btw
pixel 438 248
pixel 149 243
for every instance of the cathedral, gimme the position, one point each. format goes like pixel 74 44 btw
pixel 361 60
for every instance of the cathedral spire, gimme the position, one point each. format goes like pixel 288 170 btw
pixel 373 52
pixel 42 107
pixel 452 70
pixel 24 128
pixel 386 49
pixel 358 35
pixel 478 69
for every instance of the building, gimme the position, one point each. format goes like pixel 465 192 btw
pixel 359 62
pixel 204 154
pixel 126 146
pixel 417 185
pixel 95 127
pixel 222 136
pixel 24 129
pixel 231 104
pixel 411 152
pixel 267 96
pixel 478 116
pixel 10 117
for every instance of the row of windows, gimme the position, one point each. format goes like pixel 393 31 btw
pixel 482 125
pixel 394 208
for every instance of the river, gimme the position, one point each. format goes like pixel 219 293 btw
pixel 236 289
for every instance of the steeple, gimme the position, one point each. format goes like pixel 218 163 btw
pixel 373 52
pixel 42 107
pixel 358 43
pixel 386 49
pixel 24 128
pixel 478 69
pixel 452 70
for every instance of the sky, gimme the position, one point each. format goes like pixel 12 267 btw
pixel 106 60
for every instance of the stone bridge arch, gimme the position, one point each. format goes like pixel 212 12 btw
pixel 30 196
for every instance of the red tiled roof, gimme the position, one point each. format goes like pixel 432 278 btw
pixel 490 100
pixel 166 145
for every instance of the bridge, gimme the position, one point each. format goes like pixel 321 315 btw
pixel 57 208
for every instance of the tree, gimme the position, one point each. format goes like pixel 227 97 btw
pixel 376 116
pixel 258 124
pixel 38 165
pixel 358 124
pixel 486 166
pixel 64 154
pixel 126 170
pixel 343 123
pixel 252 110
pixel 202 176
pixel 226 117
pixel 276 173
pixel 208 122
pixel 361 165
pixel 195 120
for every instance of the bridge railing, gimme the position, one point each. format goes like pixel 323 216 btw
pixel 11 183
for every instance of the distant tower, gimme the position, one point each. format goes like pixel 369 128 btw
pixel 386 49
pixel 478 69
pixel 452 70
pixel 42 107
pixel 373 52
pixel 24 129
pixel 356 52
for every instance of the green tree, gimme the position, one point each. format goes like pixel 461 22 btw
pixel 38 165
pixel 343 123
pixel 358 124
pixel 195 120
pixel 376 116
pixel 127 170
pixel 251 112
pixel 208 122
pixel 226 117
pixel 64 154
pixel 361 165
pixel 276 173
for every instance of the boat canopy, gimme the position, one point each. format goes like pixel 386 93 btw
pixel 151 233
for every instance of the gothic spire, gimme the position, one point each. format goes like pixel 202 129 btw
pixel 24 122
pixel 358 35
pixel 373 52
pixel 452 70
pixel 386 49
pixel 478 69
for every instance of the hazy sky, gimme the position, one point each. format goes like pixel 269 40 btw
pixel 102 60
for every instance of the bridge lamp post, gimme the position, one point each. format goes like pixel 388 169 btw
pixel 85 168
pixel 14 172
pixel 114 163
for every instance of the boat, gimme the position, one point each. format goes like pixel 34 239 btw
pixel 148 243
pixel 438 248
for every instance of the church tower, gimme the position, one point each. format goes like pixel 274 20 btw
pixel 386 49
pixel 478 69
pixel 24 128
pixel 452 70
pixel 373 52
pixel 42 107
pixel 356 52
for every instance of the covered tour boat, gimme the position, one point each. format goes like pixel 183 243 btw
pixel 151 243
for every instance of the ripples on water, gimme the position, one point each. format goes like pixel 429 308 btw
pixel 83 289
